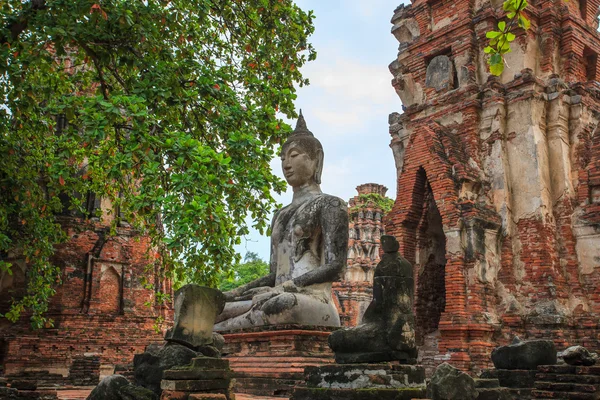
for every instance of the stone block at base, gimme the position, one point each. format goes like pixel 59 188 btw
pixel 270 360
pixel 375 381
pixel 357 394
pixel 204 379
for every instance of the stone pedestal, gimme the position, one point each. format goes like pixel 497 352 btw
pixel 205 378
pixel 382 381
pixel 270 361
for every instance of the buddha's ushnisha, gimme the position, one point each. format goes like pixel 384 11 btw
pixel 309 244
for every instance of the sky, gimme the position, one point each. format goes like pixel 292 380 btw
pixel 347 103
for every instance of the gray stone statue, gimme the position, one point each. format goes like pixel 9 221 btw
pixel 387 332
pixel 309 244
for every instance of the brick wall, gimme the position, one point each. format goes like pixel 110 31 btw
pixel 103 309
pixel 498 203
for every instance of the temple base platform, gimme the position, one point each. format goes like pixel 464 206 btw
pixel 270 361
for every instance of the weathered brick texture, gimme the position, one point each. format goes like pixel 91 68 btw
pixel 104 312
pixel 354 292
pixel 498 202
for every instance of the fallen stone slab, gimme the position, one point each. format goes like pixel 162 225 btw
pixel 525 355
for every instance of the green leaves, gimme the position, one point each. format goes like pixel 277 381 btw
pixel 500 40
pixel 165 109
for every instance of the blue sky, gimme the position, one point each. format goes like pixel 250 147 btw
pixel 349 99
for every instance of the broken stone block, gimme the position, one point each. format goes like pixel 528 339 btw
pixel 524 355
pixel 440 74
pixel 149 367
pixel 108 388
pixel 196 309
pixel 579 355
pixel 449 383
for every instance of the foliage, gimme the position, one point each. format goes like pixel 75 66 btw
pixel 500 40
pixel 373 199
pixel 251 269
pixel 167 108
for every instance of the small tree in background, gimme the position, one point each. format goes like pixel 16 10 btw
pixel 252 268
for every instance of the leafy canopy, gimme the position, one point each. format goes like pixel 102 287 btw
pixel 251 269
pixel 167 108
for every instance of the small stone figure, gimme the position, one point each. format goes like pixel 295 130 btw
pixel 309 245
pixel 387 332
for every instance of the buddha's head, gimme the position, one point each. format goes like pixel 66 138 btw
pixel 302 156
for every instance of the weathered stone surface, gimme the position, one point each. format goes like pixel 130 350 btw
pixel 196 308
pixel 148 367
pixel 108 388
pixel 8 393
pixel 309 245
pixel 578 355
pixel 387 332
pixel 132 392
pixel 361 376
pixel 440 73
pixel 22 384
pixel 525 355
pixel 188 374
pixel 512 378
pixel 449 383
pixel 356 394
pixel 195 385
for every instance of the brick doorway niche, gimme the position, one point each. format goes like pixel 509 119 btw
pixel 430 268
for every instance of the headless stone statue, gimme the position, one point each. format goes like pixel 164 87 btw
pixel 309 244
pixel 387 332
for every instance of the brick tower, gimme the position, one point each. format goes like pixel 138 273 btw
pixel 104 312
pixel 355 291
pixel 498 202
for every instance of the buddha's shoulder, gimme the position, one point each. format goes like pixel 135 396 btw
pixel 324 200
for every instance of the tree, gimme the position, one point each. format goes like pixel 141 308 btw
pixel 251 269
pixel 167 108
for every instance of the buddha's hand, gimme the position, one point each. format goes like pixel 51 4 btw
pixel 250 293
pixel 289 287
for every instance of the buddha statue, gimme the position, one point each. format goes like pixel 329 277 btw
pixel 387 331
pixel 309 244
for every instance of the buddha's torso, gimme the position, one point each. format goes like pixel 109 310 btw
pixel 296 238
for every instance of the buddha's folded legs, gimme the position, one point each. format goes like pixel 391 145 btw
pixel 285 308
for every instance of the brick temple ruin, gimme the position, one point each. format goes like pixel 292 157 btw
pixel 103 313
pixel 498 202
pixel 354 291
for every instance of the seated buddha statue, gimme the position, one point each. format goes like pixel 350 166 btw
pixel 309 244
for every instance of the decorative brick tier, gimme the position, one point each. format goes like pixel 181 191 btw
pixel 270 361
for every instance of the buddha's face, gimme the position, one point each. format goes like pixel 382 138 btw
pixel 298 167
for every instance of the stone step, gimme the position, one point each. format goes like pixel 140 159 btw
pixel 357 394
pixel 265 386
pixel 586 379
pixel 487 383
pixel 520 393
pixel 569 369
pixel 566 387
pixel 493 394
pixel 549 395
